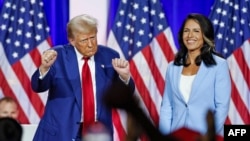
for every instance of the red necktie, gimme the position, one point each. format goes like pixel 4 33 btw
pixel 88 96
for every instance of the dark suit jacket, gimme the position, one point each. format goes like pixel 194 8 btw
pixel 62 114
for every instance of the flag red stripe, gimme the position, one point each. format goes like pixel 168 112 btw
pixel 143 91
pixel 36 56
pixel 22 118
pixel 154 69
pixel 228 121
pixel 49 42
pixel 242 64
pixel 118 124
pixel 165 46
pixel 25 81
pixel 240 106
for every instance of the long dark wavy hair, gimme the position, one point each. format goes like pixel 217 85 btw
pixel 208 47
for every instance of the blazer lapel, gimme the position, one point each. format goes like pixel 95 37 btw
pixel 101 79
pixel 201 74
pixel 72 70
pixel 176 80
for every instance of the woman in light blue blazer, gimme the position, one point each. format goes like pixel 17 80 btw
pixel 197 81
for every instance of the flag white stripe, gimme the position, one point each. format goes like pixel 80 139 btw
pixel 143 106
pixel 29 67
pixel 246 52
pixel 168 33
pixel 18 90
pixel 112 42
pixel 233 114
pixel 43 46
pixel 123 118
pixel 238 79
pixel 115 135
pixel 159 57
pixel 148 79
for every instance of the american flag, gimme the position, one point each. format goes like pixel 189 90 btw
pixel 24 36
pixel 231 21
pixel 142 36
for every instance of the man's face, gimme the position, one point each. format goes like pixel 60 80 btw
pixel 8 109
pixel 86 44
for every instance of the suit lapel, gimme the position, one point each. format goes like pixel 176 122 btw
pixel 201 74
pixel 101 78
pixel 100 82
pixel 176 78
pixel 72 70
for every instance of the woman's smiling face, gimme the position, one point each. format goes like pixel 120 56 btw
pixel 192 35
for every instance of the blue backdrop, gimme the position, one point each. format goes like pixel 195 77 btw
pixel 57 14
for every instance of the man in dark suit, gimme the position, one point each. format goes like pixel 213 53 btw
pixel 60 72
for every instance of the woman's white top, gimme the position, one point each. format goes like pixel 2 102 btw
pixel 186 82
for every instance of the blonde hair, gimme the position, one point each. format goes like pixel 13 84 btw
pixel 81 24
pixel 209 42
